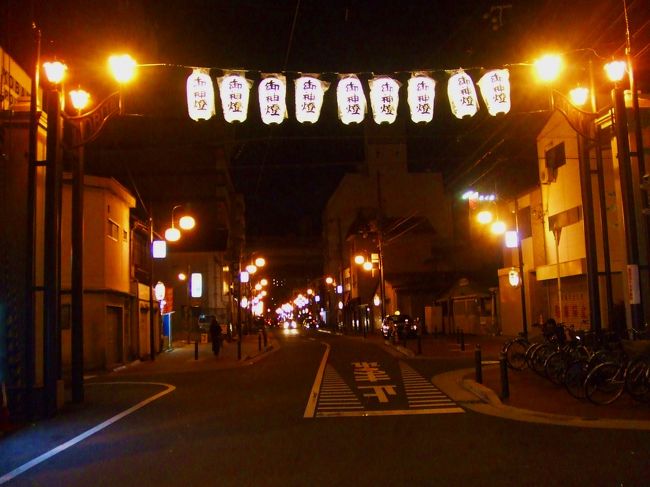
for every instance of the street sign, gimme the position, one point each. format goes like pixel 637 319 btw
pixel 167 305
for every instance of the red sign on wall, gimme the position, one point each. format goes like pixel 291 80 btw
pixel 167 304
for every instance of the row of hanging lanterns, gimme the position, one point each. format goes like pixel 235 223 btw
pixel 234 90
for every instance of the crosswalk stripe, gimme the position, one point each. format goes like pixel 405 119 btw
pixel 420 392
pixel 335 394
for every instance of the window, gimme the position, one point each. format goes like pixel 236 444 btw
pixel 113 230
pixel 524 221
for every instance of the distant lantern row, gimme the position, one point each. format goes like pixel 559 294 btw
pixel 234 90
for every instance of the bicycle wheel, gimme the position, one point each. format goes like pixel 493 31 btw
pixel 555 366
pixel 530 353
pixel 574 378
pixel 605 383
pixel 515 353
pixel 637 382
pixel 538 360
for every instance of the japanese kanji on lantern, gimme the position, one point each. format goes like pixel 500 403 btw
pixel 234 89
pixel 350 99
pixel 272 96
pixel 200 95
pixel 384 99
pixel 462 95
pixel 421 90
pixel 495 89
pixel 309 98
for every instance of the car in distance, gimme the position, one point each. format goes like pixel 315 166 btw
pixel 403 325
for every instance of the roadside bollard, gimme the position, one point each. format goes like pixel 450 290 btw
pixel 462 341
pixel 259 341
pixel 505 387
pixel 196 349
pixel 419 345
pixel 478 365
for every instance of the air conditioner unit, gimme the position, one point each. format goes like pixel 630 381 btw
pixel 546 175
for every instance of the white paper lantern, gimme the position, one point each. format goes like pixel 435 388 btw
pixel 234 89
pixel 495 89
pixel 350 99
pixel 272 96
pixel 200 95
pixel 421 94
pixel 462 95
pixel 384 98
pixel 309 98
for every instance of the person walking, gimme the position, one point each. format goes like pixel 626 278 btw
pixel 215 336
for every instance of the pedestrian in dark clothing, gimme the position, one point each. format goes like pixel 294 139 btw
pixel 215 336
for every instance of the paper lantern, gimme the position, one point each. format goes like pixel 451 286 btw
pixel 350 99
pixel 495 89
pixel 384 99
pixel 421 94
pixel 200 95
pixel 462 95
pixel 272 96
pixel 309 98
pixel 512 239
pixel 234 89
pixel 514 279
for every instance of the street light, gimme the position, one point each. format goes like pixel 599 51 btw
pixel 87 127
pixel 585 125
pixel 186 222
pixel 376 261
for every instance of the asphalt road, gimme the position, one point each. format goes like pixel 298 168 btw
pixel 376 420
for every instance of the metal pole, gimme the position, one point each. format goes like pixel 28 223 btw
pixel 239 334
pixel 152 327
pixel 638 129
pixel 52 268
pixel 584 163
pixel 556 233
pixel 77 325
pixel 30 340
pixel 478 362
pixel 604 230
pixel 602 202
pixel 522 286
pixel 629 215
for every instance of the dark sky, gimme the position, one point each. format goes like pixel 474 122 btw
pixel 287 172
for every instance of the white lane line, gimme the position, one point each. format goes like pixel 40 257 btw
pixel 313 396
pixel 398 412
pixel 64 446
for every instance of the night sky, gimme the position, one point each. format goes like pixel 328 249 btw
pixel 288 172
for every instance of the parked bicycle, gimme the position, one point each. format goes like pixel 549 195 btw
pixel 607 381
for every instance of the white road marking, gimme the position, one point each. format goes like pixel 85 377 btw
pixel 313 396
pixel 64 446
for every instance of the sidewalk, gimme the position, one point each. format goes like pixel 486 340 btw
pixel 183 357
pixel 186 356
pixel 531 396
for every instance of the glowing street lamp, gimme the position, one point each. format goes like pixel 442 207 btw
pixel 80 99
pixel 186 222
pixel 616 70
pixel 122 67
pixel 548 68
pixel 484 217
pixel 55 71
pixel 579 96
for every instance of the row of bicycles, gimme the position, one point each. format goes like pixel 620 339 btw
pixel 598 366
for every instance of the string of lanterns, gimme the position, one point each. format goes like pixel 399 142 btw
pixel 235 88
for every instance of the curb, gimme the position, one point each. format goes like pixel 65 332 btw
pixel 466 392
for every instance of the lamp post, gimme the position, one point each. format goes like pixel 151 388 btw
pixel 588 137
pixel 375 262
pixel 52 257
pixel 87 128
